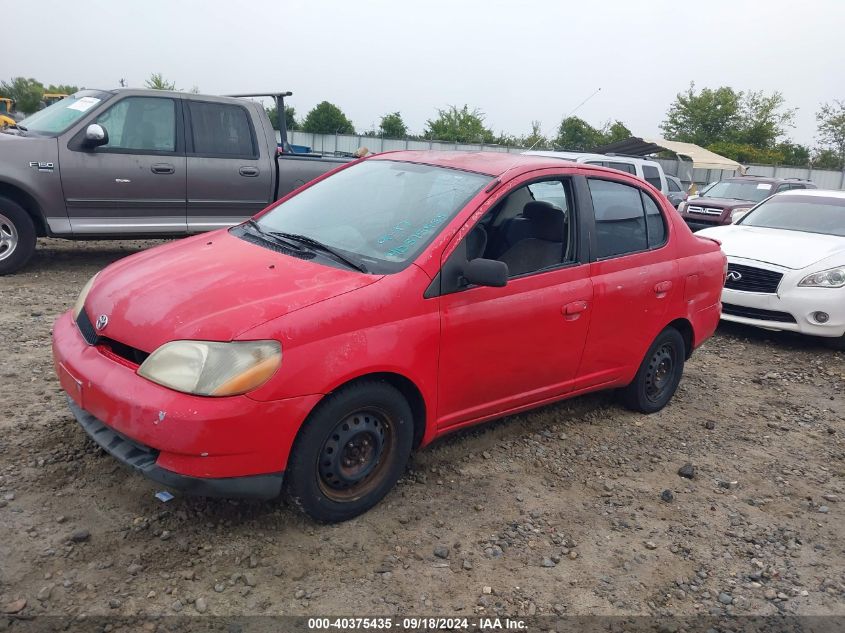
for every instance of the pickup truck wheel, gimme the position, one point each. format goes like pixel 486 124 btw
pixel 17 236
pixel 658 375
pixel 350 452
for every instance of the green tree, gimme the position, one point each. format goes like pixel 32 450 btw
pixel 26 92
pixel 831 130
pixel 763 119
pixel 61 89
pixel 290 117
pixel 535 139
pixel 616 131
pixel 327 118
pixel 727 116
pixel 576 134
pixel 794 154
pixel 158 82
pixel 703 118
pixel 745 153
pixel 459 125
pixel 392 126
pixel 826 159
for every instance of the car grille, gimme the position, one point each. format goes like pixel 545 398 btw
pixel 753 279
pixel 757 313
pixel 704 210
pixel 86 328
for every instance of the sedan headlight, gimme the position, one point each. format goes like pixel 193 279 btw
pixel 738 214
pixel 83 295
pixel 831 278
pixel 206 368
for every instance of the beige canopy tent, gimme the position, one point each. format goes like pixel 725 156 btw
pixel 701 158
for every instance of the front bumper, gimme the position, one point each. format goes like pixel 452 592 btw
pixel 799 303
pixel 188 437
pixel 698 226
pixel 143 460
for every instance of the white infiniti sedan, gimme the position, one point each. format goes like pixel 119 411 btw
pixel 786 264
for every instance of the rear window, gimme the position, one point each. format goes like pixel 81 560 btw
pixel 222 130
pixel 652 176
pixel 627 219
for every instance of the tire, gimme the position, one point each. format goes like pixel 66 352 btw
pixel 658 375
pixel 17 236
pixel 350 452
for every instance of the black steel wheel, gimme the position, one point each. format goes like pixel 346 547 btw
pixel 659 374
pixel 350 452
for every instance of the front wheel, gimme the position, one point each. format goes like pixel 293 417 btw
pixel 658 375
pixel 350 452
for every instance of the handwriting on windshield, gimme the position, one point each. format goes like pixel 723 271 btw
pixel 398 233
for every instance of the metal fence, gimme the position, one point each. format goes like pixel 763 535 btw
pixel 349 143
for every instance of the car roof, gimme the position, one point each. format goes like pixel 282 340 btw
pixel 591 156
pixel 489 163
pixel 766 179
pixel 813 193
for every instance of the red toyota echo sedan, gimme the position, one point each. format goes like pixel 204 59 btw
pixel 401 297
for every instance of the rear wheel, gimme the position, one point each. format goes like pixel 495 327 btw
pixel 350 452
pixel 17 236
pixel 658 375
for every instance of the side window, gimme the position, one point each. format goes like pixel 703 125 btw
pixel 620 218
pixel 531 229
pixel 655 228
pixel 673 186
pixel 550 191
pixel 142 124
pixel 652 175
pixel 626 167
pixel 783 187
pixel 222 130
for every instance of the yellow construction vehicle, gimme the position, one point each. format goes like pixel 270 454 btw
pixel 49 98
pixel 7 110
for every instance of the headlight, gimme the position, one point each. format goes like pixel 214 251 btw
pixel 831 278
pixel 83 295
pixel 682 207
pixel 206 368
pixel 738 214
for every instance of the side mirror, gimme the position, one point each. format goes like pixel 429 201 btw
pixel 486 272
pixel 96 135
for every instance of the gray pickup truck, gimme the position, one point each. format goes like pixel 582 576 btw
pixel 124 164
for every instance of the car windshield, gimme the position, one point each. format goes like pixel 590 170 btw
pixel 811 214
pixel 61 115
pixel 739 190
pixel 378 213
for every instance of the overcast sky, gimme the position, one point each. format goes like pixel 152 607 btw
pixel 516 61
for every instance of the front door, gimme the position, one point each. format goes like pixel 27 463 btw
pixel 227 180
pixel 521 344
pixel 136 182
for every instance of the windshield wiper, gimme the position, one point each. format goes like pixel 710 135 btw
pixel 310 241
pixel 273 237
pixel 21 127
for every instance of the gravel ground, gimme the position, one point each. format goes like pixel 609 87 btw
pixel 577 508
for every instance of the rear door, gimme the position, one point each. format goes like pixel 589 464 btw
pixel 227 180
pixel 634 279
pixel 136 182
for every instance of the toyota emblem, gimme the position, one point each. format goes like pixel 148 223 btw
pixel 102 322
pixel 732 275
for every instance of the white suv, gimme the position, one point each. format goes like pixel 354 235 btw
pixel 648 170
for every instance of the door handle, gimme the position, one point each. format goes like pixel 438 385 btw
pixel 572 311
pixel 249 172
pixel 661 289
pixel 163 168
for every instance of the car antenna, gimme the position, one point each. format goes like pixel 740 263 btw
pixel 501 176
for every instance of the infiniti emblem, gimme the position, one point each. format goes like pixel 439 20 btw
pixel 733 276
pixel 102 322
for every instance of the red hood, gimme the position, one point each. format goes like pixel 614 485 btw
pixel 208 287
